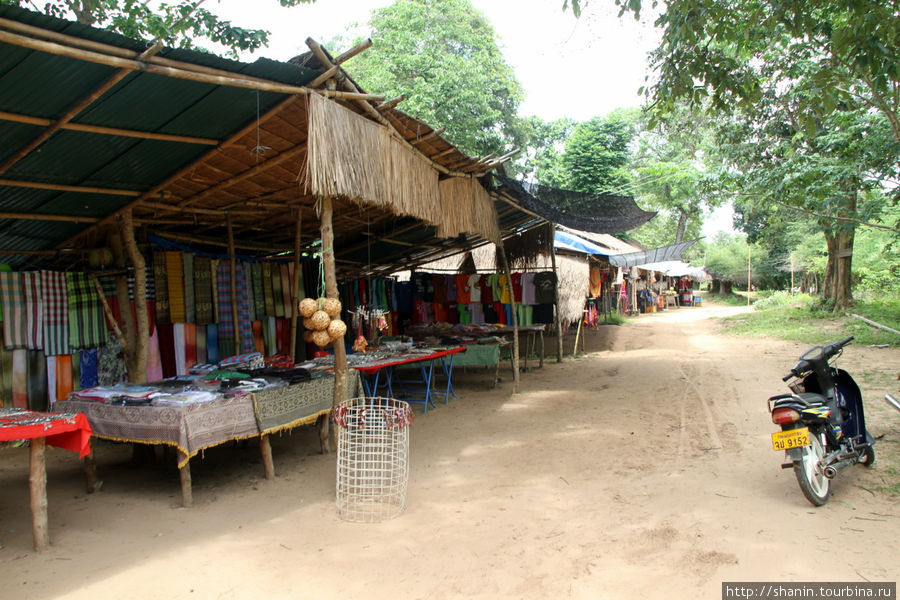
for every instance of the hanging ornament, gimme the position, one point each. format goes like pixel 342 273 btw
pixel 336 329
pixel 321 338
pixel 319 320
pixel 332 306
pixel 308 306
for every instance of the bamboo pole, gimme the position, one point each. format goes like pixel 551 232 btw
pixel 357 49
pixel 428 136
pixel 515 319
pixel 37 480
pixel 558 319
pixel 232 259
pixel 331 291
pixel 67 188
pixel 295 308
pixel 146 135
pixel 38 217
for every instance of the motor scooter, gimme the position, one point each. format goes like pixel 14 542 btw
pixel 823 425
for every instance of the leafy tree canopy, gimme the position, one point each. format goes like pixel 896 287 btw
pixel 178 24
pixel 443 56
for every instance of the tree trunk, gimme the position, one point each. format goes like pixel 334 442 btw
pixel 830 271
pixel 137 366
pixel 843 297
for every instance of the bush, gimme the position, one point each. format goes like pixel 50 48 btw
pixel 782 298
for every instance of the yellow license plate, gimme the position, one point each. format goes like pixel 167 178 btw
pixel 792 438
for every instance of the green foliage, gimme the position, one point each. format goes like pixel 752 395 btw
pixel 710 50
pixel 443 56
pixel 804 319
pixel 597 153
pixel 544 147
pixel 179 24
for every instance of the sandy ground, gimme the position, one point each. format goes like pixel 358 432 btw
pixel 642 469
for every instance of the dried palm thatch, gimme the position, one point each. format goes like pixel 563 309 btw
pixel 467 208
pixel 350 156
pixel 573 276
pixel 523 249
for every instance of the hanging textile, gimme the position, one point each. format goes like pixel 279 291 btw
pixel 51 381
pixel 166 337
pixel 175 286
pixel 242 295
pixel 179 348
pixel 56 313
pixel 259 298
pixel 187 267
pixel 111 367
pixel 19 376
pixel 34 310
pixel 87 324
pixel 203 291
pixel 89 368
pixel 225 317
pixel 277 293
pixel 268 287
pixel 154 360
pixel 190 345
pixel 212 343
pixel 64 385
pixel 162 287
pixel 201 345
pixel 13 299
pixel 36 363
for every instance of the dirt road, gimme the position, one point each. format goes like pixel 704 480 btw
pixel 642 469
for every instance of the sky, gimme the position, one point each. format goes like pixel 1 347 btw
pixel 568 67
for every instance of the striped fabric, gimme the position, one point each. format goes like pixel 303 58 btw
pixel 203 291
pixel 13 300
pixel 286 289
pixel 187 259
pixel 268 296
pixel 34 310
pixel 87 324
pixel 162 287
pixel 175 286
pixel 259 297
pixel 56 313
pixel 277 295
pixel 226 318
pixel 243 304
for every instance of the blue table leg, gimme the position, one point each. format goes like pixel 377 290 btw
pixel 448 372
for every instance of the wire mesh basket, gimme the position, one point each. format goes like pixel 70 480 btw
pixel 372 458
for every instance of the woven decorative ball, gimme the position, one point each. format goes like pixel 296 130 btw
pixel 321 338
pixel 336 329
pixel 319 320
pixel 331 305
pixel 308 306
pixel 307 324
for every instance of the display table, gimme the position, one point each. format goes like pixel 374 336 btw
pixel 382 372
pixel 533 333
pixel 484 355
pixel 71 432
pixel 194 427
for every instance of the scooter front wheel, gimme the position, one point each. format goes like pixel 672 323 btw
pixel 810 474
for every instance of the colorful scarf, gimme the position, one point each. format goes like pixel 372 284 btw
pixel 87 324
pixel 56 313
pixel 259 297
pixel 226 318
pixel 203 291
pixel 162 287
pixel 243 305
pixel 187 266
pixel 268 295
pixel 13 300
pixel 175 286
pixel 34 310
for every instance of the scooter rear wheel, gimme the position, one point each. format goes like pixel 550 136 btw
pixel 810 474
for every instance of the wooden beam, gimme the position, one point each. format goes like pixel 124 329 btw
pixel 233 80
pixel 68 188
pixel 147 135
pixel 219 242
pixel 389 104
pixel 41 217
pixel 429 136
pixel 197 210
pixel 155 191
pixel 357 49
pixel 325 76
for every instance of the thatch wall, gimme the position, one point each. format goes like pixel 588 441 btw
pixel 350 156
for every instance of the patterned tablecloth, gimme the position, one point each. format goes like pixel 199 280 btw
pixel 194 427
pixel 190 428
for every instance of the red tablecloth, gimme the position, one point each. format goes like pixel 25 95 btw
pixel 72 432
pixel 406 358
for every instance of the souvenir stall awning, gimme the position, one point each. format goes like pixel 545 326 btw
pixel 676 268
pixel 567 240
pixel 653 255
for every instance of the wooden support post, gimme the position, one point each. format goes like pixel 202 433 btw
pixel 323 423
pixel 515 318
pixel 94 484
pixel 37 480
pixel 295 300
pixel 187 495
pixel 341 373
pixel 557 319
pixel 577 335
pixel 265 450
pixel 232 259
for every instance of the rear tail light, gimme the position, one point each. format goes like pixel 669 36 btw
pixel 785 415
